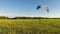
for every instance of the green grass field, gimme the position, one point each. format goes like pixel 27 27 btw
pixel 30 26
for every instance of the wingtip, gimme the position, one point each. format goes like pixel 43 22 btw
pixel 48 11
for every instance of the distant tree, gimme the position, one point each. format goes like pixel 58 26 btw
pixel 3 17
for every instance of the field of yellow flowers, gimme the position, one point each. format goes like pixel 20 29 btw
pixel 29 26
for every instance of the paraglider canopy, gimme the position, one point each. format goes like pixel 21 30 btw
pixel 43 6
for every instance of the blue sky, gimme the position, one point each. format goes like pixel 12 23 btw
pixel 27 8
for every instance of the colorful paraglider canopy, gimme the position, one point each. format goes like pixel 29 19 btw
pixel 43 6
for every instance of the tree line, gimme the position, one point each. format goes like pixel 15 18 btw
pixel 4 17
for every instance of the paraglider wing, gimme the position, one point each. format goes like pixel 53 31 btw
pixel 47 10
pixel 44 7
pixel 38 7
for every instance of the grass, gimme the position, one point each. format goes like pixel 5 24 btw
pixel 30 26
